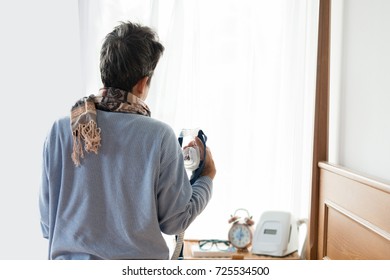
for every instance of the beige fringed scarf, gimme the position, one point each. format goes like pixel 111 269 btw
pixel 83 117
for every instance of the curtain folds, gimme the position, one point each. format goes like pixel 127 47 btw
pixel 244 72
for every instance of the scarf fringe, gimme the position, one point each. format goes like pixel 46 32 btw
pixel 83 117
pixel 90 134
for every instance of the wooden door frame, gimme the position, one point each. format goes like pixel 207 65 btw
pixel 321 121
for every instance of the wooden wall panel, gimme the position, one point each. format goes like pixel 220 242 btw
pixel 347 238
pixel 354 216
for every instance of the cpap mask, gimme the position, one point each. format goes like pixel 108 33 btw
pixel 191 151
pixel 192 163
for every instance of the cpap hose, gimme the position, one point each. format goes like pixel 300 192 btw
pixel 303 249
pixel 179 246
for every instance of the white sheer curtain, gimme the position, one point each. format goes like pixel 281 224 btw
pixel 244 72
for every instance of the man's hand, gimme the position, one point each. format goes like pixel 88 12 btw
pixel 209 166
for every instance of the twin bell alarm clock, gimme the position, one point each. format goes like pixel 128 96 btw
pixel 241 232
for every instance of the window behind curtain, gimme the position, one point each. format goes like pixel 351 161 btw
pixel 244 72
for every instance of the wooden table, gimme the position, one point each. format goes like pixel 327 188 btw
pixel 187 252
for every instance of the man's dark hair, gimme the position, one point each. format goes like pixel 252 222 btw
pixel 129 53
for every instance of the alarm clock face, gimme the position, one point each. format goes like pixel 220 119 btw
pixel 240 235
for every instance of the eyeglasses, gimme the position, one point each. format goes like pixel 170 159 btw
pixel 207 244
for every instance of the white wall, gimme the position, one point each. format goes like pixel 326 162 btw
pixel 40 80
pixel 360 86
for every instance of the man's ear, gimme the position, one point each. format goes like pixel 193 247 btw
pixel 141 86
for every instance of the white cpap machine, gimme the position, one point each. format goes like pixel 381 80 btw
pixel 276 234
